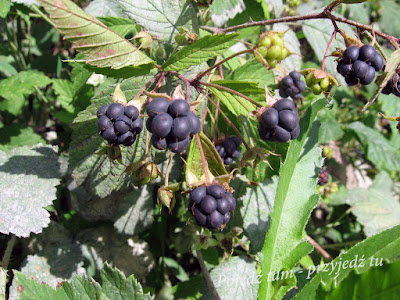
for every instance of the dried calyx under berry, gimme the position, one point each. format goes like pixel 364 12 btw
pixel 393 86
pixel 211 206
pixel 359 65
pixel 171 123
pixel 119 124
pixel 280 122
pixel 292 86
pixel 228 149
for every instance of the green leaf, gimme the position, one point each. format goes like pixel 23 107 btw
pixel 98 175
pixel 121 26
pixel 377 148
pixel 17 135
pixel 161 19
pixel 135 212
pixel 383 281
pixel 14 89
pixel 234 279
pixel 194 166
pixel 7 69
pixel 257 206
pixel 189 290
pixel 277 5
pixel 102 8
pixel 330 128
pixel 285 244
pixel 254 71
pixel 115 286
pixel 384 245
pixel 201 50
pixel 389 20
pixel 238 105
pixel 102 46
pixel 28 177
pixel 391 107
pixel 223 10
pixel 4 8
pixel 375 208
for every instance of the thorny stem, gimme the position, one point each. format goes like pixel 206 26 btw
pixel 318 248
pixel 207 276
pixel 4 266
pixel 168 169
pixel 202 74
pixel 327 50
pixel 203 158
pixel 220 87
pixel 230 124
pixel 323 15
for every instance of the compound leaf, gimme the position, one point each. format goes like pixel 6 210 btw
pixel 201 50
pixel 102 46
pixel 28 177
pixel 161 19
pixel 284 244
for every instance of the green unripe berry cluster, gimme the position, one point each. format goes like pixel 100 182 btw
pixel 318 85
pixel 271 48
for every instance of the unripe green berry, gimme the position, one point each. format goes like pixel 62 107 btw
pixel 285 53
pixel 310 79
pixel 266 42
pixel 272 62
pixel 274 52
pixel 316 89
pixel 263 51
pixel 276 40
pixel 324 83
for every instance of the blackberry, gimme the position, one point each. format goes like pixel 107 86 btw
pixel 359 65
pixel 393 86
pixel 292 86
pixel 323 177
pixel 211 206
pixel 228 149
pixel 119 124
pixel 280 123
pixel 171 123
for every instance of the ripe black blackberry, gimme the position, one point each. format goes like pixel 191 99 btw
pixel 359 65
pixel 280 122
pixel 228 149
pixel 211 206
pixel 292 86
pixel 119 124
pixel 171 123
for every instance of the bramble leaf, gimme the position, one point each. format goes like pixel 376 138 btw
pixel 28 177
pixel 102 46
pixel 200 51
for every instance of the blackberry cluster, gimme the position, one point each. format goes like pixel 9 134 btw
pixel 228 149
pixel 292 86
pixel 171 123
pixel 358 65
pixel 211 206
pixel 280 122
pixel 323 177
pixel 392 87
pixel 119 124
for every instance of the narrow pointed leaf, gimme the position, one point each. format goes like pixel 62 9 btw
pixel 285 244
pixel 102 46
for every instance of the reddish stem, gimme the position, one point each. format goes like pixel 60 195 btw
pixel 327 49
pixel 203 158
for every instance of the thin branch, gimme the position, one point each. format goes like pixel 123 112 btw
pixel 230 124
pixel 220 87
pixel 148 84
pixel 318 248
pixel 221 74
pixel 198 77
pixel 168 169
pixel 203 158
pixel 207 276
pixel 327 49
pixel 4 266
